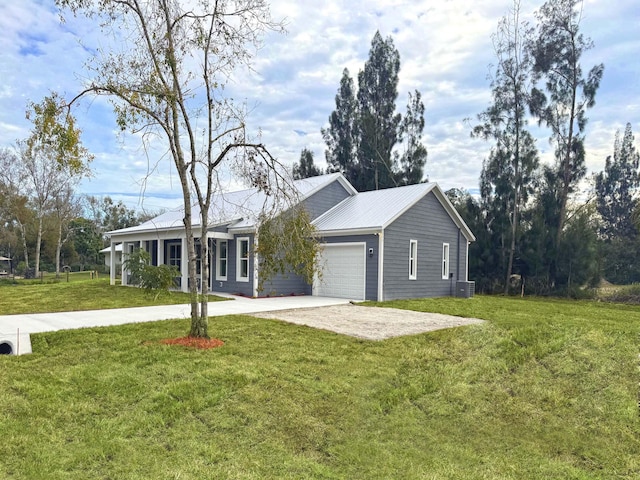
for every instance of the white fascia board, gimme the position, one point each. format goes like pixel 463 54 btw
pixel 220 235
pixel 351 231
pixel 345 183
pixel 164 234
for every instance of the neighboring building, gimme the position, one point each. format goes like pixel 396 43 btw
pixel 403 242
pixel 118 256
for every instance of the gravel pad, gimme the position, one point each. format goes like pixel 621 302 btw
pixel 370 323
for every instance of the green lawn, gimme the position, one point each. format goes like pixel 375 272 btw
pixel 545 389
pixel 79 295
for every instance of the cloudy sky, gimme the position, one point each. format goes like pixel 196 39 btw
pixel 445 49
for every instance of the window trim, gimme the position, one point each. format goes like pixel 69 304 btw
pixel 413 259
pixel 239 259
pixel 445 261
pixel 219 260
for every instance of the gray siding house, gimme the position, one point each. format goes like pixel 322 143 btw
pixel 403 242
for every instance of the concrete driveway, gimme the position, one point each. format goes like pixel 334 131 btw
pixel 49 322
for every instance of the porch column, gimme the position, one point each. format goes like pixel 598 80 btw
pixel 184 265
pixel 160 252
pixel 112 264
pixel 123 270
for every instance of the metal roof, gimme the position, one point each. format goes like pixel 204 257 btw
pixel 372 210
pixel 238 209
pixel 375 210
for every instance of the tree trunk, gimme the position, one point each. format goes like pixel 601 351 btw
pixel 38 245
pixel 23 234
pixel 58 249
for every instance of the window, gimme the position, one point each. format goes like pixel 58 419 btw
pixel 413 259
pixel 174 254
pixel 445 261
pixel 198 256
pixel 242 253
pixel 221 266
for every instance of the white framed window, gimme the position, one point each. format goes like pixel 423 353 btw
pixel 174 254
pixel 222 257
pixel 445 261
pixel 413 259
pixel 242 259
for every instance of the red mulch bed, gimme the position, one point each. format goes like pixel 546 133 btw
pixel 194 342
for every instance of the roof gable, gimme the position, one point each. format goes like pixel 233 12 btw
pixel 376 210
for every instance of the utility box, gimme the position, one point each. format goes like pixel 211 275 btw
pixel 465 289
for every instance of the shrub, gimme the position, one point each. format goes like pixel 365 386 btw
pixel 623 294
pixel 154 279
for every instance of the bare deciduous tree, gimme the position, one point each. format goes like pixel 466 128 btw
pixel 169 78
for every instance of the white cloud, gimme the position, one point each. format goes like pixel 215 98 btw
pixel 445 50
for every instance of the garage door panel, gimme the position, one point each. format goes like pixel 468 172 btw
pixel 343 272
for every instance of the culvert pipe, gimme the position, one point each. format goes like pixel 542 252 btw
pixel 15 343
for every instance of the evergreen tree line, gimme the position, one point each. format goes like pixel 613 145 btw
pixel 535 233
pixel 536 229
pixel 371 144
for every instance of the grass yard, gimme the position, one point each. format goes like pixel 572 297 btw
pixel 79 295
pixel 545 389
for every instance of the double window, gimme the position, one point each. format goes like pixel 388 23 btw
pixel 242 254
pixel 413 259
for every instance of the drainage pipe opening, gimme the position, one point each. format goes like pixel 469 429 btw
pixel 6 348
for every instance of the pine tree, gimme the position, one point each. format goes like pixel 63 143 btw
pixel 341 136
pixel 306 168
pixel 615 188
pixel 507 175
pixel 414 157
pixel 377 121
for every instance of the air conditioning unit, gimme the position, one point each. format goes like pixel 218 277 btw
pixel 15 343
pixel 465 289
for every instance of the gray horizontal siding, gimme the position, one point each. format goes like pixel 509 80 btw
pixel 428 223
pixel 325 199
pixel 288 284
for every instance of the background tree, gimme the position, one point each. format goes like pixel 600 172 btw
pixel 109 215
pixel 169 78
pixel 65 208
pixel 507 176
pixel 616 186
pixel 87 241
pixel 414 156
pixel 306 168
pixel 616 204
pixel 365 131
pixel 341 137
pixel 377 121
pixel 52 157
pixel 567 94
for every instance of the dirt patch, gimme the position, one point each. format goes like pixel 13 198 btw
pixel 370 323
